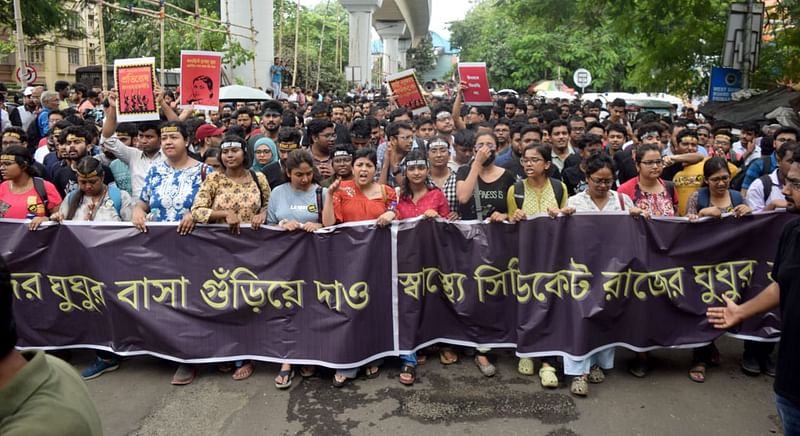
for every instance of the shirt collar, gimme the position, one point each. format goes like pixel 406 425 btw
pixel 25 383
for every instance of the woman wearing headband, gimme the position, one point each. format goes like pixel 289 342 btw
pixel 167 196
pixel 95 201
pixel 357 200
pixel 420 197
pixel 234 195
pixel 22 194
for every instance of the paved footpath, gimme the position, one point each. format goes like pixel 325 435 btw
pixel 446 400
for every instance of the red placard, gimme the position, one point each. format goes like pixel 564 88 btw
pixel 200 79
pixel 477 92
pixel 135 79
pixel 405 87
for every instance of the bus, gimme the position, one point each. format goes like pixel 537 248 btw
pixel 90 76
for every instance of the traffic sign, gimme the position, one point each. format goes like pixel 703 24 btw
pixel 27 76
pixel 582 78
pixel 724 82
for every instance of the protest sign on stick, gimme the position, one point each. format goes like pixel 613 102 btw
pixel 135 80
pixel 477 92
pixel 405 87
pixel 200 79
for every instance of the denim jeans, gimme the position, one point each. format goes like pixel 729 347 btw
pixel 790 415
pixel 409 359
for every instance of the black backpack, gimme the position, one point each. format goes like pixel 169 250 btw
pixel 738 179
pixel 519 192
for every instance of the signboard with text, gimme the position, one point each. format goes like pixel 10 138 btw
pixel 477 92
pixel 724 82
pixel 405 87
pixel 200 79
pixel 135 80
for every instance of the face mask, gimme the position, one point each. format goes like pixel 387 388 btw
pixel 490 159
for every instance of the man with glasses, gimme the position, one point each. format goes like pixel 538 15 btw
pixel 577 127
pixel 342 162
pixel 782 293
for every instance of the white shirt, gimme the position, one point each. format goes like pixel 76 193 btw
pixel 582 202
pixel 138 163
pixel 755 193
pixel 41 152
pixel 739 149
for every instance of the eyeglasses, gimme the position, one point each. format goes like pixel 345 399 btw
pixel 793 184
pixel 531 161
pixel 605 182
pixel 651 163
pixel 719 179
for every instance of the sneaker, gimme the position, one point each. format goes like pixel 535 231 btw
pixel 767 365
pixel 99 368
pixel 750 365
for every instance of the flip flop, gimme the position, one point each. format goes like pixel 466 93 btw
pixel 487 370
pixel 697 373
pixel 596 374
pixel 447 356
pixel 244 371
pixel 579 386
pixel 339 382
pixel 372 371
pixel 289 374
pixel 307 371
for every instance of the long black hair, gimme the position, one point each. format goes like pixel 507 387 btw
pixel 412 156
pixel 85 165
pixel 298 157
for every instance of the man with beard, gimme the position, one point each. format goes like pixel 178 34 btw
pixel 78 141
pixel 271 117
pixel 392 155
pixel 577 127
pixel 340 123
pixel 502 130
pixel 616 134
pixel 360 134
pixel 443 121
pixel 23 115
pixel 475 114
pixel 510 107
pixel 323 137
pixel 782 293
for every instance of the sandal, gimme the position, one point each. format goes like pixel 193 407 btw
pixel 697 373
pixel 410 373
pixel 487 370
pixel 447 356
pixel 225 367
pixel 421 358
pixel 307 371
pixel 579 386
pixel 596 374
pixel 548 377
pixel 525 366
pixel 288 374
pixel 339 380
pixel 244 371
pixel 184 375
pixel 372 371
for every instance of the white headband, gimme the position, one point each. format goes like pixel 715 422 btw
pixel 226 145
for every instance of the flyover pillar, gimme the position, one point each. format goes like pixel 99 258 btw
pixel 390 32
pixel 360 45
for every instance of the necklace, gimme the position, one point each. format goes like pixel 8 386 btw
pixel 92 208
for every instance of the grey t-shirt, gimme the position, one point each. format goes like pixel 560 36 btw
pixel 287 204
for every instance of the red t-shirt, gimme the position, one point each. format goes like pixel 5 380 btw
pixel 17 205
pixel 434 199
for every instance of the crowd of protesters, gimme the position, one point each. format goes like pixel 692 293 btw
pixel 304 163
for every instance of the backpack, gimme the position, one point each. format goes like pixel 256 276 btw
pixel 519 192
pixel 260 193
pixel 704 198
pixel 113 193
pixel 738 180
pixel 766 181
pixel 38 185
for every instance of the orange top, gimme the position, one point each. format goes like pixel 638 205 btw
pixel 350 204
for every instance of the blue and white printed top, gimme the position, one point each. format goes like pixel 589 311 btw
pixel 170 192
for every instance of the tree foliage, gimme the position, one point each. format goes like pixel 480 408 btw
pixel 627 45
pixel 421 58
pixel 331 75
pixel 42 17
pixel 131 35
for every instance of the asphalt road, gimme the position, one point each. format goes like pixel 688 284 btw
pixel 446 400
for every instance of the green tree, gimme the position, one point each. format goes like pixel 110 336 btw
pixel 42 17
pixel 331 75
pixel 422 58
pixel 131 35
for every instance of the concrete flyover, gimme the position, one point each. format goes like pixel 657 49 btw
pixel 401 24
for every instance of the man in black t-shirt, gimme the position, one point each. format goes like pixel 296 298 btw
pixel 78 142
pixel 784 292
